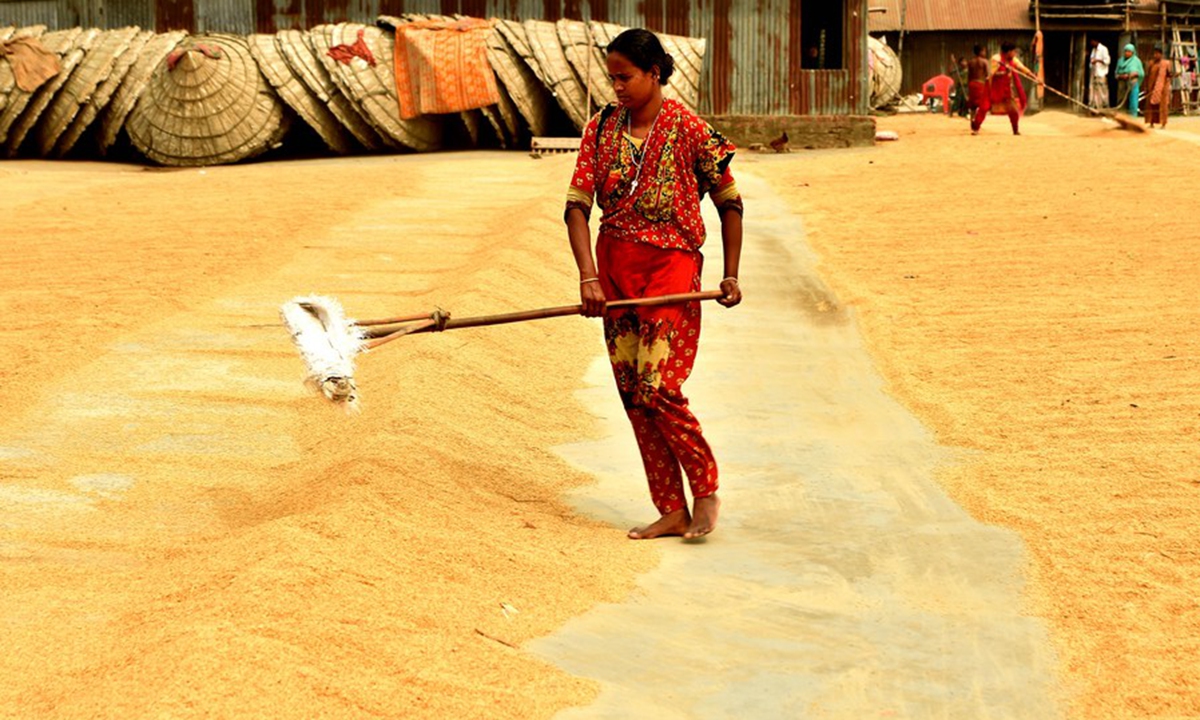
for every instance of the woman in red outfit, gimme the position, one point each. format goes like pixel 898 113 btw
pixel 1006 94
pixel 648 162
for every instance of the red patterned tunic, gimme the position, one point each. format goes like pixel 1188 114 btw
pixel 652 193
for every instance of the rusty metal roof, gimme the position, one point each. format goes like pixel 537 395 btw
pixel 943 15
pixel 927 15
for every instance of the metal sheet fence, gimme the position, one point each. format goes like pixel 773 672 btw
pixel 34 12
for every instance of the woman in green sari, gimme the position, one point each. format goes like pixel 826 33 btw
pixel 1129 77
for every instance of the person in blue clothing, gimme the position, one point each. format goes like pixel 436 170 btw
pixel 1130 74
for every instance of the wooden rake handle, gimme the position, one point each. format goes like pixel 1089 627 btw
pixel 1055 91
pixel 386 332
pixel 383 334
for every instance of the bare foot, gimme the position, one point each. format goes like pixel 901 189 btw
pixel 704 517
pixel 672 524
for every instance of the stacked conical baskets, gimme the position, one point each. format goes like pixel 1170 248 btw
pixel 187 100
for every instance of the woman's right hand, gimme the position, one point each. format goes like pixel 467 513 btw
pixel 733 292
pixel 592 297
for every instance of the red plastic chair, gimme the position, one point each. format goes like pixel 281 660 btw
pixel 938 87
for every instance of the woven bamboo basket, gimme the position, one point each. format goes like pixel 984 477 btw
pixel 297 50
pixel 296 94
pixel 96 67
pixel 103 94
pixel 59 42
pixel 373 87
pixel 886 73
pixel 113 117
pixel 207 109
pixel 561 79
pixel 523 87
pixel 42 98
pixel 588 60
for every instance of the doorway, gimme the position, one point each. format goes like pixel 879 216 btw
pixel 1058 57
pixel 1112 42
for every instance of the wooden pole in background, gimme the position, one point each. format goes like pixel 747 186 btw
pixel 1039 45
pixel 1162 30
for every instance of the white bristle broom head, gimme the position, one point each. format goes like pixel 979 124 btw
pixel 327 342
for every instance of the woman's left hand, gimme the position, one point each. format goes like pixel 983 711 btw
pixel 733 292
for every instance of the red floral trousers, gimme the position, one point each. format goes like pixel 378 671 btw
pixel 652 351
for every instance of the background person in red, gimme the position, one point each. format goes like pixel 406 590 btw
pixel 647 163
pixel 977 88
pixel 1158 88
pixel 1006 94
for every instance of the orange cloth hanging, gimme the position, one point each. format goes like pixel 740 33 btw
pixel 442 67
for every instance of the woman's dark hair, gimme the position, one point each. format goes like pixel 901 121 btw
pixel 645 51
pixel 1005 47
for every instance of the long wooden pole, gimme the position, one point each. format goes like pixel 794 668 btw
pixel 1126 123
pixel 378 340
pixel 428 325
pixel 394 320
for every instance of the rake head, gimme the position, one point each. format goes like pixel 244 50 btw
pixel 1125 122
pixel 327 342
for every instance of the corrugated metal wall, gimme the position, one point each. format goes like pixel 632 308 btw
pixel 33 12
pixel 751 66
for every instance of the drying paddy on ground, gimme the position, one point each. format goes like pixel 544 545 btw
pixel 187 531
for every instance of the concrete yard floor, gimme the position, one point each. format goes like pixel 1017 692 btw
pixel 842 583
